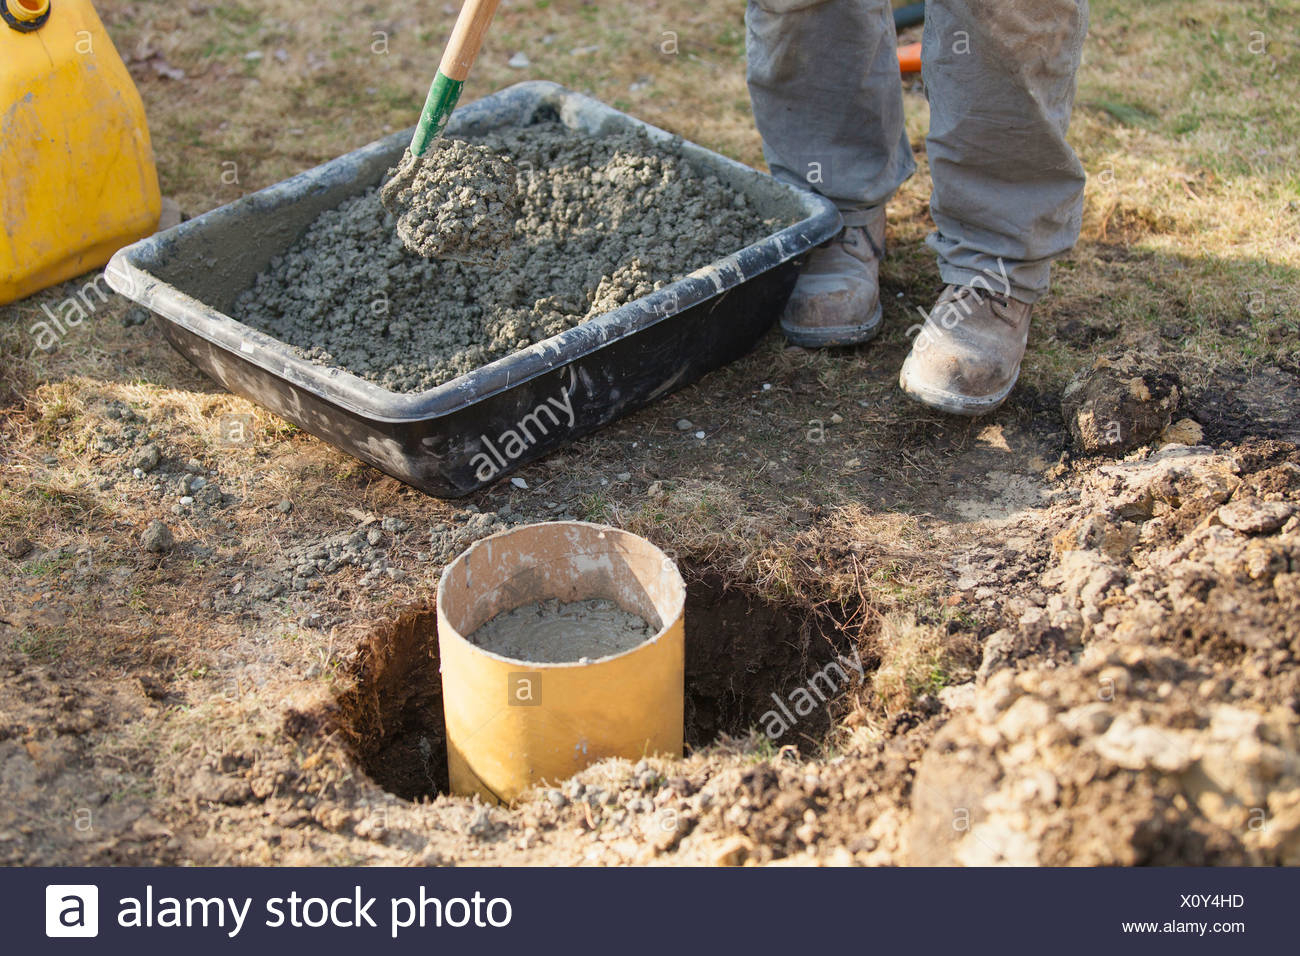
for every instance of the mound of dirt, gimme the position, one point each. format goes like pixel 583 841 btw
pixel 602 221
pixel 1144 707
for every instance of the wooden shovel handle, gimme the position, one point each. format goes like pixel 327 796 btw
pixel 466 38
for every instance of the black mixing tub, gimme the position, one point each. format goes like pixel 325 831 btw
pixel 464 434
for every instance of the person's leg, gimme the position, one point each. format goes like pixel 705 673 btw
pixel 827 98
pixel 1007 186
pixel 1008 189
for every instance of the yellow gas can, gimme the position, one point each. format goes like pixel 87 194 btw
pixel 77 176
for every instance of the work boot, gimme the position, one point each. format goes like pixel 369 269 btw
pixel 837 298
pixel 966 359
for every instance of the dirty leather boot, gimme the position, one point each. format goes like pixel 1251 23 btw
pixel 966 358
pixel 837 298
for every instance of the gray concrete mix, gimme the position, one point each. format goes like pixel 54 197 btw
pixel 457 201
pixel 602 221
pixel 552 632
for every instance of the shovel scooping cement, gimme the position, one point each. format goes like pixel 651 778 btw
pixel 453 200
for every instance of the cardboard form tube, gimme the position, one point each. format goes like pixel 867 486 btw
pixel 513 724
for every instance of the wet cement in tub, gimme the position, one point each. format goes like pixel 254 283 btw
pixel 602 221
pixel 555 632
pixel 457 201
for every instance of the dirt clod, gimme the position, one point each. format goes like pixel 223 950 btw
pixel 1252 516
pixel 19 547
pixel 1119 404
pixel 157 538
pixel 147 458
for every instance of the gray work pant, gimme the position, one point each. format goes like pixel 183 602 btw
pixel 1007 188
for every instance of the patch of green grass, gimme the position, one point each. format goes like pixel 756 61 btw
pixel 1130 114
pixel 42 644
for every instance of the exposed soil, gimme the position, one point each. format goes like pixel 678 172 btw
pixel 602 221
pixel 1058 660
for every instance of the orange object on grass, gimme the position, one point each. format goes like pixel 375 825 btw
pixel 909 58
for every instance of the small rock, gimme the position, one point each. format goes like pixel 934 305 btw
pixel 1252 516
pixel 480 825
pixel 187 500
pixel 284 507
pixel 137 473
pixel 807 833
pixel 1136 746
pixel 157 538
pixel 198 484
pixel 519 483
pixel 1186 431
pixel 685 425
pixel 699 434
pixel 623 476
pixel 211 787
pixel 519 61
pixel 836 418
pixel 147 458
pixel 18 548
pixel 733 852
